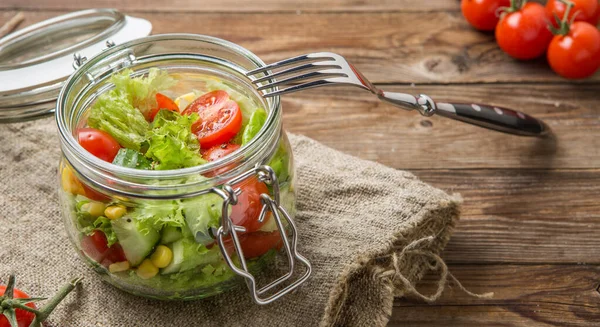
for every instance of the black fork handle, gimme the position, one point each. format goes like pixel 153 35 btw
pixel 492 117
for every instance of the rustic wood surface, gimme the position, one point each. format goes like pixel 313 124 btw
pixel 531 216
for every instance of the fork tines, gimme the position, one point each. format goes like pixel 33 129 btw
pixel 314 69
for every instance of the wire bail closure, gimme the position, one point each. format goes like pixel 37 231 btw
pixel 270 204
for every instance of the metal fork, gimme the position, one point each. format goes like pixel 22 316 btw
pixel 326 68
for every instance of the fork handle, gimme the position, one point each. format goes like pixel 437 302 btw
pixel 490 117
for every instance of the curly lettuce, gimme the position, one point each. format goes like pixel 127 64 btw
pixel 171 142
pixel 141 91
pixel 114 114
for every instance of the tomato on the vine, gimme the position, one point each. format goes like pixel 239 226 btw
pixel 523 32
pixel 575 53
pixel 483 14
pixel 24 317
pixel 583 10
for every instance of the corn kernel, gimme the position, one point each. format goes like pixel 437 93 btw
pixel 95 209
pixel 119 266
pixel 147 269
pixel 69 181
pixel 162 256
pixel 115 212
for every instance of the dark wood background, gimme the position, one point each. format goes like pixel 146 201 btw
pixel 531 220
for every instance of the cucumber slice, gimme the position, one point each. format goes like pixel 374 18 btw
pixel 137 238
pixel 188 255
pixel 171 234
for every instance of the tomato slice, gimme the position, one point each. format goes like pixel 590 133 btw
pixel 220 118
pixel 256 244
pixel 98 143
pixel 219 151
pixel 245 213
pixel 24 318
pixel 96 247
pixel 163 102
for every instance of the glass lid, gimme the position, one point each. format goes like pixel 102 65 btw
pixel 35 61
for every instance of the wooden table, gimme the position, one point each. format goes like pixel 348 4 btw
pixel 531 217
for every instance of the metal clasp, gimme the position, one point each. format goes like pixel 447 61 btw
pixel 272 205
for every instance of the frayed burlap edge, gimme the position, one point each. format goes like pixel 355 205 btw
pixel 412 253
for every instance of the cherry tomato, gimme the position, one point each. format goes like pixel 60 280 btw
pixel 256 244
pixel 524 34
pixel 577 54
pixel 96 247
pixel 163 102
pixel 483 14
pixel 220 118
pixel 93 194
pixel 245 213
pixel 24 318
pixel 98 143
pixel 587 11
pixel 219 151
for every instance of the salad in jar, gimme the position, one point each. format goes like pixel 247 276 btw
pixel 161 122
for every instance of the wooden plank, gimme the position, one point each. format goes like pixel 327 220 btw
pixel 543 295
pixel 237 6
pixel 523 216
pixel 373 130
pixel 438 47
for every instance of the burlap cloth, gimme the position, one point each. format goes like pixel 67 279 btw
pixel 370 232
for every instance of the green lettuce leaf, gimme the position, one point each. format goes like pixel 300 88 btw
pixel 280 164
pixel 201 214
pixel 132 159
pixel 256 122
pixel 114 114
pixel 172 143
pixel 141 91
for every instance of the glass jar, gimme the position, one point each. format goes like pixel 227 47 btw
pixel 203 261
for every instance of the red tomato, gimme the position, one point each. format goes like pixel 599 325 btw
pixel 256 244
pixel 245 213
pixel 93 194
pixel 96 247
pixel 577 54
pixel 524 34
pixel 587 11
pixel 220 118
pixel 219 151
pixel 483 14
pixel 24 318
pixel 163 102
pixel 98 143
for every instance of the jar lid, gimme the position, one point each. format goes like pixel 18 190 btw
pixel 35 61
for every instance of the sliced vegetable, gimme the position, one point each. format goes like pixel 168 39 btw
pixel 132 159
pixel 163 102
pixel 98 143
pixel 188 255
pixel 219 151
pixel 257 243
pixel 220 118
pixel 136 237
pixel 246 212
pixel 95 245
pixel 141 91
pixel 102 225
pixel 171 142
pixel 171 234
